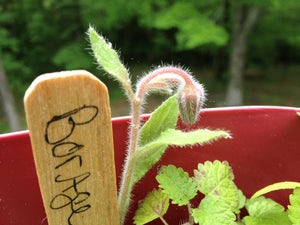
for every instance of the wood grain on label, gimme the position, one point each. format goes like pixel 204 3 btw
pixel 68 117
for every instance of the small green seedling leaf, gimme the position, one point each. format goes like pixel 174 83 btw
pixel 241 199
pixel 294 208
pixel 298 113
pixel 214 210
pixel 177 184
pixel 276 187
pixel 154 206
pixel 108 58
pixel 146 156
pixel 180 138
pixel 216 179
pixel 163 118
pixel 263 211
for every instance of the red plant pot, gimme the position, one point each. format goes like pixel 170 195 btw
pixel 265 149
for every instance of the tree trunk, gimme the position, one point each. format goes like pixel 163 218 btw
pixel 244 21
pixel 221 58
pixel 7 102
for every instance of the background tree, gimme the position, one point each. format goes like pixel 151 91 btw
pixel 244 20
pixel 8 102
pixel 40 36
pixel 275 20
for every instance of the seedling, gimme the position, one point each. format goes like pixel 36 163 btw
pixel 223 200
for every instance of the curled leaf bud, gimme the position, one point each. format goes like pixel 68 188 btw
pixel 164 83
pixel 190 100
pixel 190 94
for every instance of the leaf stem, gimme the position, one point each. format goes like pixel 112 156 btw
pixel 191 219
pixel 126 180
pixel 163 220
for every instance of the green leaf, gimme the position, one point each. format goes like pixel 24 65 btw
pixel 241 200
pixel 72 56
pixel 294 208
pixel 214 211
pixel 164 117
pixel 177 184
pixel 263 211
pixel 146 156
pixel 155 205
pixel 198 29
pixel 216 179
pixel 180 138
pixel 108 58
pixel 275 187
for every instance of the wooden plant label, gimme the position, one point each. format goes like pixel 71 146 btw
pixel 68 117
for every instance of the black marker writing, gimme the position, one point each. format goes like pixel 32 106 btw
pixel 71 196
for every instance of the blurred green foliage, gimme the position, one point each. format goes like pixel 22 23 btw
pixel 42 36
pixel 38 36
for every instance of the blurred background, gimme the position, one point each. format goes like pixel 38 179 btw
pixel 245 52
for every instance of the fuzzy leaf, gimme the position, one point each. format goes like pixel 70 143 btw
pixel 294 208
pixel 214 210
pixel 241 200
pixel 200 136
pixel 146 156
pixel 107 57
pixel 164 117
pixel 275 187
pixel 216 179
pixel 180 138
pixel 177 184
pixel 263 211
pixel 153 206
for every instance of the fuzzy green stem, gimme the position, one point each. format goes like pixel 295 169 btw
pixel 129 92
pixel 191 219
pixel 163 220
pixel 136 100
pixel 125 189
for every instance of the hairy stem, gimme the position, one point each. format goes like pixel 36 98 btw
pixel 178 77
pixel 126 181
pixel 163 220
pixel 129 92
pixel 191 219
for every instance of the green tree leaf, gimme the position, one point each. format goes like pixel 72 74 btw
pixel 214 211
pixel 177 184
pixel 164 117
pixel 294 208
pixel 198 29
pixel 108 58
pixel 275 187
pixel 146 156
pixel 263 211
pixel 72 56
pixel 216 179
pixel 155 205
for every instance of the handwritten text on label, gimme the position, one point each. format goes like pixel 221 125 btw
pixel 70 196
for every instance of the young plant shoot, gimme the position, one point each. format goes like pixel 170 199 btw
pixel 147 143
